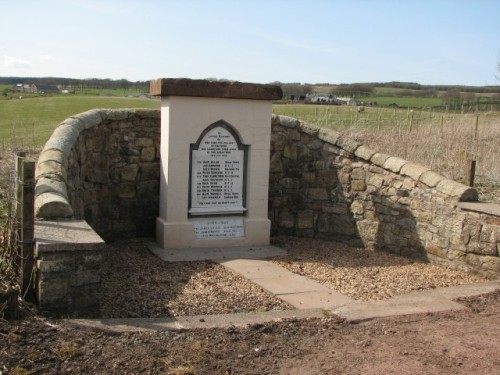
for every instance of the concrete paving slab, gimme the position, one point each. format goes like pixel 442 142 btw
pixel 316 299
pixel 290 284
pixel 363 311
pixel 254 269
pixel 237 252
pixel 487 208
pixel 198 321
pixel 433 300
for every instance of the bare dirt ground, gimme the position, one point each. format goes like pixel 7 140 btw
pixel 136 283
pixel 464 342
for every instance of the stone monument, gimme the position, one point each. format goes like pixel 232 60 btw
pixel 215 144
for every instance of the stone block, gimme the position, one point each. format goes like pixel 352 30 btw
pixel 148 154
pixel 456 189
pixel 53 292
pixel 50 205
pixel 290 151
pixel 63 138
pixel 364 152
pixel 129 172
pixel 288 122
pixel 144 142
pixel 290 183
pixel 490 233
pixel 147 190
pixel 358 174
pixel 51 168
pixel 320 194
pixel 309 128
pixel 331 149
pixel 328 135
pixel 286 219
pixel 358 185
pixel 482 248
pixel 413 170
pixel 293 135
pixel 376 180
pixel 53 155
pixel 315 144
pixel 348 144
pixel 85 276
pixel 327 178
pixel 305 219
pixel 368 230
pixel 343 225
pixel 338 208
pixel 90 118
pixel 126 190
pixel 357 208
pixel 45 184
pixel 149 171
pixel 431 178
pixel 394 164
pixel 379 159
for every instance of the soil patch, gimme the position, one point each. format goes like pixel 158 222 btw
pixel 459 342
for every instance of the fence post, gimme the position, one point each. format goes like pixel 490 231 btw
pixel 470 172
pixel 25 172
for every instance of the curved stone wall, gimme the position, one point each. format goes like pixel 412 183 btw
pixel 103 166
pixel 328 186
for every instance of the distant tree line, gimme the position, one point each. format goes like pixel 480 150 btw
pixel 73 83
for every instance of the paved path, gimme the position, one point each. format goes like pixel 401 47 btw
pixel 310 298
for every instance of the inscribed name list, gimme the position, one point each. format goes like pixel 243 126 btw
pixel 217 174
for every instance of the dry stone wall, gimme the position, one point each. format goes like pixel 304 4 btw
pixel 103 166
pixel 328 186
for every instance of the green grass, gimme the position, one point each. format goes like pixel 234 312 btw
pixel 30 121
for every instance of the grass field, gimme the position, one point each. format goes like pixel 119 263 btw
pixel 30 121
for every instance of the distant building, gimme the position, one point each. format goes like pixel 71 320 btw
pixel 35 88
pixel 346 101
pixel 44 89
pixel 321 99
pixel 22 87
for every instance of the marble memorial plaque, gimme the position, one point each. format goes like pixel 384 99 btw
pixel 218 228
pixel 218 168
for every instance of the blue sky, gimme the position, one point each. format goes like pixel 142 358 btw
pixel 424 41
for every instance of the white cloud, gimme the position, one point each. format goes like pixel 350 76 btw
pixel 14 62
pixel 48 58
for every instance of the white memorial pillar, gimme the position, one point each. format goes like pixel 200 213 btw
pixel 215 144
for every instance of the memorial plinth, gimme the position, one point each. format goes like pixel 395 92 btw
pixel 215 144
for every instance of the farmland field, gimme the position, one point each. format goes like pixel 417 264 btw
pixel 30 121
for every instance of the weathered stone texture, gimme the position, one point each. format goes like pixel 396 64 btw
pixel 342 190
pixel 101 159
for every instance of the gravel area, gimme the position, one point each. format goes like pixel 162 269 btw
pixel 363 274
pixel 136 283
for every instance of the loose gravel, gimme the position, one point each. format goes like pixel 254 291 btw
pixel 363 274
pixel 136 283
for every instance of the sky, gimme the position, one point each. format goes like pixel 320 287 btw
pixel 451 42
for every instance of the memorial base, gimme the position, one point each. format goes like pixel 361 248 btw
pixel 210 233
